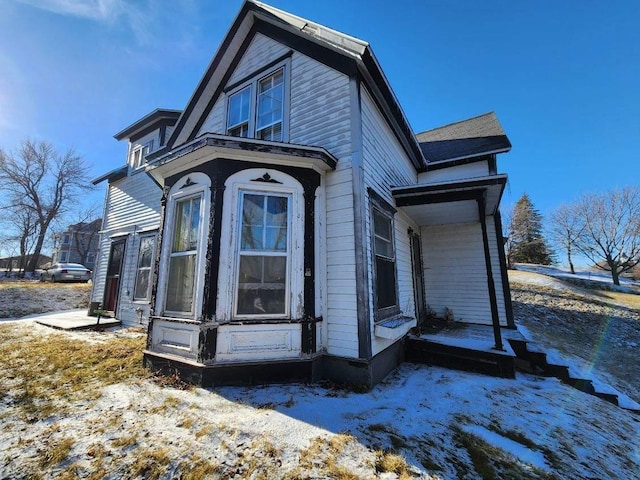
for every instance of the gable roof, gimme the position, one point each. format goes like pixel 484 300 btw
pixel 473 137
pixel 342 52
pixel 152 120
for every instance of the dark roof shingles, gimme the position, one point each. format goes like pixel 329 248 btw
pixel 467 138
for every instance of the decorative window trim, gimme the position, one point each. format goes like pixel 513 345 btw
pixel 247 182
pixel 384 209
pixel 251 87
pixel 190 186
pixel 149 268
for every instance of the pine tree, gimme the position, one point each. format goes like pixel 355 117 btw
pixel 527 243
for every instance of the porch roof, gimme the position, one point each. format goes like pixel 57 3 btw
pixel 454 201
pixel 210 146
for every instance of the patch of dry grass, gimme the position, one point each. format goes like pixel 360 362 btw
pixel 44 373
pixel 26 297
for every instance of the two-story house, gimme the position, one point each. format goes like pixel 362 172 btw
pixel 77 244
pixel 289 224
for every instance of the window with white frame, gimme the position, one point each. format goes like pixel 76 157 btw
pixel 139 153
pixel 64 256
pixel 65 239
pixel 263 254
pixel 386 293
pixel 142 288
pixel 181 277
pixel 90 259
pixel 257 108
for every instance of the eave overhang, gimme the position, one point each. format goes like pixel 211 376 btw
pixel 211 146
pixel 452 201
pixel 112 176
pixel 156 118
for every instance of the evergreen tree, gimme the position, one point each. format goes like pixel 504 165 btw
pixel 526 241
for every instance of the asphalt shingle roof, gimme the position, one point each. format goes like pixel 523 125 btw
pixel 468 138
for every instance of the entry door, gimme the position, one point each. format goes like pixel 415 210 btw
pixel 418 277
pixel 114 269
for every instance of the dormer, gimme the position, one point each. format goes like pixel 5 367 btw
pixel 147 135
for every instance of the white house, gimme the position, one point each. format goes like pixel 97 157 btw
pixel 289 224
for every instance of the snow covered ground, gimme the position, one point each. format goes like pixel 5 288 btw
pixel 588 275
pixel 444 423
pixel 426 414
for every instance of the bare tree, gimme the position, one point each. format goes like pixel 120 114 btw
pixel 566 227
pixel 44 182
pixel 610 236
pixel 24 222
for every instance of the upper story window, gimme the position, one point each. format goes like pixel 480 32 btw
pixel 256 109
pixel 139 153
pixel 65 239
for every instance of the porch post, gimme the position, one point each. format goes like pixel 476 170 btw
pixel 482 202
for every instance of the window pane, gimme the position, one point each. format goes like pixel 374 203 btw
pixel 272 133
pixel 142 284
pixel 252 222
pixel 270 107
pixel 239 106
pixel 194 224
pixel 383 247
pixel 385 283
pixel 185 237
pixel 146 251
pixel 381 225
pixel 180 283
pixel 262 285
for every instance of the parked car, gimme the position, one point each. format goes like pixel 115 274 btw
pixel 66 272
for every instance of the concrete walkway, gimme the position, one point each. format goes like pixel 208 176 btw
pixel 73 320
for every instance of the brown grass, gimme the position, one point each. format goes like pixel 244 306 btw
pixel 46 372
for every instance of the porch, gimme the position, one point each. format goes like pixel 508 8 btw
pixel 464 346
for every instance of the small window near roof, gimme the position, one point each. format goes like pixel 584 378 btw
pixel 140 152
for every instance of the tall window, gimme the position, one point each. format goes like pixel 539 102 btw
pixel 386 296
pixel 142 286
pixel 263 252
pixel 257 109
pixel 182 259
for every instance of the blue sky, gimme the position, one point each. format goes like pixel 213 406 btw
pixel 563 77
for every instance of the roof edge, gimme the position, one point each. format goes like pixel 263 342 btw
pixel 156 116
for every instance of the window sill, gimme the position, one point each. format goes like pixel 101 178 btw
pixel 395 327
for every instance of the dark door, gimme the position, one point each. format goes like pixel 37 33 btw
pixel 418 277
pixel 114 269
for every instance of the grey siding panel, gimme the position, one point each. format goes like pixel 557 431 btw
pixel 133 206
pixel 455 271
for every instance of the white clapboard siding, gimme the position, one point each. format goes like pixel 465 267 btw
pixel 459 172
pixel 455 271
pixel 319 115
pixel 386 164
pixel 261 51
pixel 133 206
